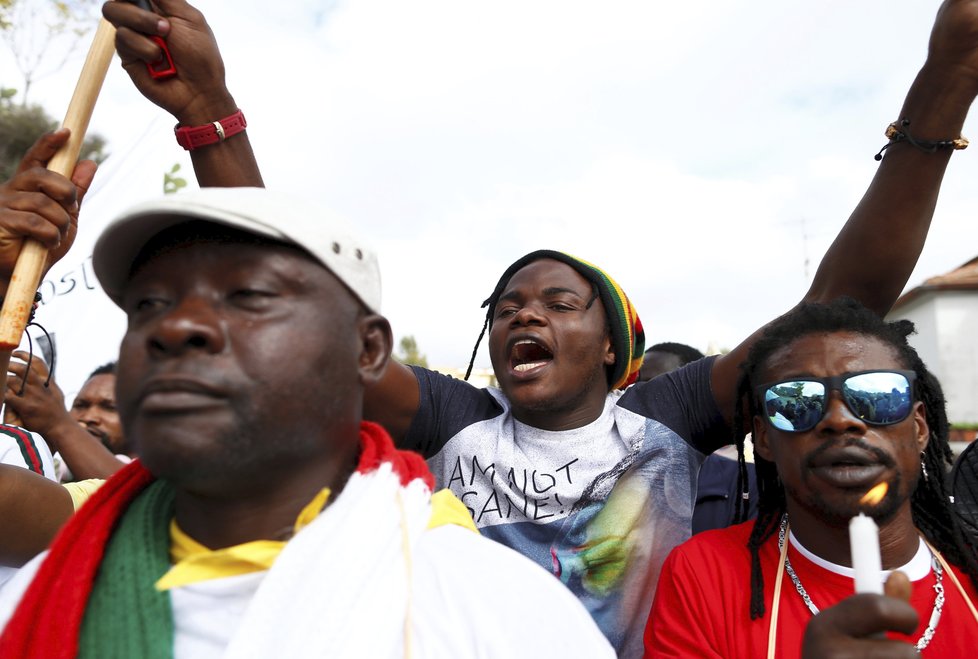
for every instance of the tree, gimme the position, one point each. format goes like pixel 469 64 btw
pixel 44 34
pixel 5 14
pixel 407 353
pixel 21 125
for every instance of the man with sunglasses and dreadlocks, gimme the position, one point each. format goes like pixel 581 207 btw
pixel 838 402
pixel 593 481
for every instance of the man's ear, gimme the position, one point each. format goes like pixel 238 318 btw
pixel 761 445
pixel 609 352
pixel 376 343
pixel 921 429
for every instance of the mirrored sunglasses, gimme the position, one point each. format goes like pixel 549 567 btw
pixel 879 398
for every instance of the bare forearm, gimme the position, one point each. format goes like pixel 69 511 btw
pixel 197 95
pixel 877 249
pixel 32 510
pixel 875 253
pixel 85 455
pixel 230 163
pixel 393 401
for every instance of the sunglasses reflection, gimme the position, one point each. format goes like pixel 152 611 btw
pixel 877 398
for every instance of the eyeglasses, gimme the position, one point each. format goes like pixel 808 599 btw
pixel 879 398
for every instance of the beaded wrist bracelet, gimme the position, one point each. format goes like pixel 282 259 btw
pixel 901 133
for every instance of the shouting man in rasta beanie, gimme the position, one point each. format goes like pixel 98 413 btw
pixel 593 482
pixel 839 403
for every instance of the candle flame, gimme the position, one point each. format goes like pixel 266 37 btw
pixel 875 495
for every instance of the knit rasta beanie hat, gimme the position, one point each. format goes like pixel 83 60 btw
pixel 627 335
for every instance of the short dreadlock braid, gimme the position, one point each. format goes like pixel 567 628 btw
pixel 930 502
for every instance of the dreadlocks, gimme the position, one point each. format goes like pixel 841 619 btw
pixel 930 502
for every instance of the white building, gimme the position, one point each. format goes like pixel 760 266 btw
pixel 945 311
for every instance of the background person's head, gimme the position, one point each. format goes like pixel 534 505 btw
pixel 251 334
pixel 665 357
pixel 94 408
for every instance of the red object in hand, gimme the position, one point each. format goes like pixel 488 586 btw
pixel 164 66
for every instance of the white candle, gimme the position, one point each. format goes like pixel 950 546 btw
pixel 864 543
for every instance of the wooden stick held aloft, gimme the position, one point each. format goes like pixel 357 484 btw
pixel 30 263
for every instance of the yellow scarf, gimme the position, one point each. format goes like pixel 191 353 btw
pixel 193 562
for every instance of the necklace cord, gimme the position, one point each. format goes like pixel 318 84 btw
pixel 771 638
pixel 954 579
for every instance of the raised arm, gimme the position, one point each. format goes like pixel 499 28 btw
pixel 394 400
pixel 32 510
pixel 197 95
pixel 41 408
pixel 877 249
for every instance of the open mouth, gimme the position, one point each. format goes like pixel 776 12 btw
pixel 527 355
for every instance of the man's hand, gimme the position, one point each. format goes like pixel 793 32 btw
pixel 197 94
pixel 853 628
pixel 953 45
pixel 40 408
pixel 41 205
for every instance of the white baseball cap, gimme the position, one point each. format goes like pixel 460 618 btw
pixel 274 215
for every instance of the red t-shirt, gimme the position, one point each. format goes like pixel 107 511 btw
pixel 702 604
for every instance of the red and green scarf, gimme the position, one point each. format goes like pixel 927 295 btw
pixel 94 594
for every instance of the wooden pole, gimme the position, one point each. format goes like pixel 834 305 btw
pixel 30 263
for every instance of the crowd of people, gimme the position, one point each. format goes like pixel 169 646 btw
pixel 297 492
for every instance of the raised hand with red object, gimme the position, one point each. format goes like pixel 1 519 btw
pixel 197 97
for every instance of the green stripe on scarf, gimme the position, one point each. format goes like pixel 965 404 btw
pixel 126 616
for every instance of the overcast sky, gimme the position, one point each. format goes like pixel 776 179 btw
pixel 703 153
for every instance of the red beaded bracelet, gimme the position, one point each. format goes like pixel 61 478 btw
pixel 194 137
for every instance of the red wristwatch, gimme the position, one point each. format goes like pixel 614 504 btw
pixel 194 137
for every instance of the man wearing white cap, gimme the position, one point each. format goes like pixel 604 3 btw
pixel 264 517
